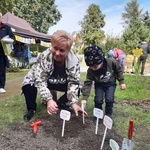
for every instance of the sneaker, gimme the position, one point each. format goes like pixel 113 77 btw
pixel 29 115
pixel 2 90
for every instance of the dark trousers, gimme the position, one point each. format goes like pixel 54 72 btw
pixel 2 71
pixel 105 92
pixel 142 60
pixel 30 93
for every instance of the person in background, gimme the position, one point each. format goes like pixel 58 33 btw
pixel 120 56
pixel 110 53
pixel 56 69
pixel 142 59
pixel 26 56
pixel 104 72
pixel 4 31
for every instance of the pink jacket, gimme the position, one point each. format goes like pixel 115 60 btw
pixel 118 52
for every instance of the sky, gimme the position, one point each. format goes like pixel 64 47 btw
pixel 73 11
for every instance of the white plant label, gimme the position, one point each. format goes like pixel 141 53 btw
pixel 98 113
pixel 113 144
pixel 107 121
pixel 65 115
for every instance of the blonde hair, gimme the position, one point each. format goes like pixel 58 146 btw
pixel 62 36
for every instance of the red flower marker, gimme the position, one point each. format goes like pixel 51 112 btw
pixel 35 126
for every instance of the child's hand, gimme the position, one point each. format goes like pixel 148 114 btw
pixel 122 86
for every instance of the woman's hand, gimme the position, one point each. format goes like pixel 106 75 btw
pixel 77 109
pixel 52 107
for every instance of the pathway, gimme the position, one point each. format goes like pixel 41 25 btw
pixel 12 87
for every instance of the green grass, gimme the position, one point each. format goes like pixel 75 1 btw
pixel 13 109
pixel 136 89
pixel 14 75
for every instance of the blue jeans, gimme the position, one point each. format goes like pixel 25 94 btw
pixel 105 91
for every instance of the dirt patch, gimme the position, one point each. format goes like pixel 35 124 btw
pixel 144 104
pixel 77 136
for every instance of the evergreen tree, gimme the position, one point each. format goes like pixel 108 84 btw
pixel 132 13
pixel 146 19
pixel 146 22
pixel 135 31
pixel 91 26
pixel 41 14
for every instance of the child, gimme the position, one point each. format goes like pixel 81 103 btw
pixel 104 72
pixel 110 53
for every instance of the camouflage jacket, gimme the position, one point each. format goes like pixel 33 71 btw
pixel 43 69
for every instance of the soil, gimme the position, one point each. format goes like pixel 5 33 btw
pixel 77 136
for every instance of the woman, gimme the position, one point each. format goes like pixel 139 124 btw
pixel 56 69
pixel 120 56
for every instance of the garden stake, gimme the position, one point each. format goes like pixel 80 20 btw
pixel 98 113
pixel 65 115
pixel 83 114
pixel 108 122
pixel 35 126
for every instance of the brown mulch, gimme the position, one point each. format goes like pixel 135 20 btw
pixel 144 104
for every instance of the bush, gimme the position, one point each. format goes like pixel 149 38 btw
pixel 12 68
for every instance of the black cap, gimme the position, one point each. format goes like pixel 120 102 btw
pixel 93 55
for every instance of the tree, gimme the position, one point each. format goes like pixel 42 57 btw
pixel 41 14
pixel 135 30
pixel 146 22
pixel 7 5
pixel 91 26
pixel 132 13
pixel 146 19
